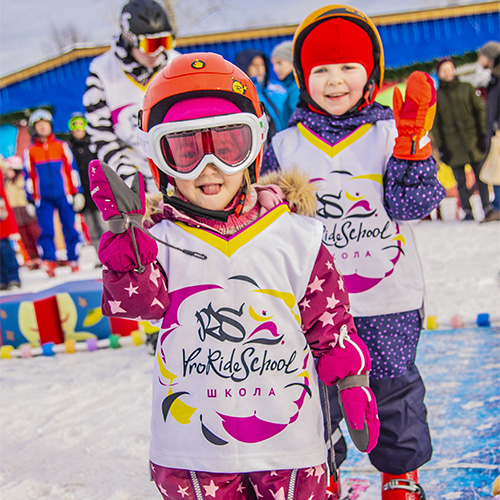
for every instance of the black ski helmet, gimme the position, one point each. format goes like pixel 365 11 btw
pixel 143 17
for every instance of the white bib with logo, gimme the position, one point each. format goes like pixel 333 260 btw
pixel 376 255
pixel 235 386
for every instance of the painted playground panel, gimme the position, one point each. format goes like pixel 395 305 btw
pixel 79 314
pixel 461 371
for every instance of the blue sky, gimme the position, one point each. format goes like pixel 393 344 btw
pixel 27 26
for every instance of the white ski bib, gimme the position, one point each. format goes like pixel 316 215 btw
pixel 235 386
pixel 376 255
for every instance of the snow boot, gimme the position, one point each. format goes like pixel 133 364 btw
pixel 333 490
pixel 50 267
pixel 401 487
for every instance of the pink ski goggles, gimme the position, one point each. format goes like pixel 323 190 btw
pixel 183 149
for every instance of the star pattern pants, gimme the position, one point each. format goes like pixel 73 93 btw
pixel 297 484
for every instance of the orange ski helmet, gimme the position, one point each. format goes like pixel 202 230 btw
pixel 363 25
pixel 198 74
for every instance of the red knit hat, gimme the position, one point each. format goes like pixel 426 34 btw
pixel 336 41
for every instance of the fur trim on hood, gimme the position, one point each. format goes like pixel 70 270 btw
pixel 299 192
pixel 293 186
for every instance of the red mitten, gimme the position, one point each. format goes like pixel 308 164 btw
pixel 414 117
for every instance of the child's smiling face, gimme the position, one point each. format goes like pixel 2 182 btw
pixel 212 189
pixel 337 87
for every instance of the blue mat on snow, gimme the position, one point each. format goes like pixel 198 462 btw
pixel 461 370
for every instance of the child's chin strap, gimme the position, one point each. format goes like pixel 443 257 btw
pixel 218 215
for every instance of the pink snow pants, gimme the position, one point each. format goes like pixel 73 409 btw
pixel 297 484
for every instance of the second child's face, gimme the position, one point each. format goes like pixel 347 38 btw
pixel 213 189
pixel 446 71
pixel 337 87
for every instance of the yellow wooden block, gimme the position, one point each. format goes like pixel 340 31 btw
pixel 70 346
pixel 137 337
pixel 5 351
pixel 432 323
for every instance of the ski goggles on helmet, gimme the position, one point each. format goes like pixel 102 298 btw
pixel 77 123
pixel 183 149
pixel 152 43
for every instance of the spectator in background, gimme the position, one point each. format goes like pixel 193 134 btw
pixel 282 61
pixel 53 185
pixel 117 81
pixel 489 57
pixel 459 133
pixel 80 146
pixel 9 267
pixel 256 65
pixel 24 212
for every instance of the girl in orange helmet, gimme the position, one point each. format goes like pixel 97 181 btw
pixel 250 307
pixel 375 170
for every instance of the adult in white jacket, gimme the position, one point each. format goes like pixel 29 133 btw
pixel 117 82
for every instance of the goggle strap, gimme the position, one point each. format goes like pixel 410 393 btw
pixel 142 137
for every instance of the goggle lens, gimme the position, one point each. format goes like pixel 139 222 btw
pixel 78 125
pixel 150 44
pixel 184 151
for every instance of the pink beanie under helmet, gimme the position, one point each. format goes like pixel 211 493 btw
pixel 200 107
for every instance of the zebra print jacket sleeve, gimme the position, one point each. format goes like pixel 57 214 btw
pixel 116 152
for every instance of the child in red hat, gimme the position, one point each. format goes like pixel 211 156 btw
pixel 375 171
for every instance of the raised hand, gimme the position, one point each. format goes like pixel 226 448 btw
pixel 414 117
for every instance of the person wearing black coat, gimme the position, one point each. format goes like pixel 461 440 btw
pixel 458 133
pixel 80 146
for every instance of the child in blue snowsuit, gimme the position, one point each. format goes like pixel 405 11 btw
pixel 375 171
pixel 54 184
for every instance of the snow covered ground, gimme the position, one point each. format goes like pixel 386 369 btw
pixel 76 427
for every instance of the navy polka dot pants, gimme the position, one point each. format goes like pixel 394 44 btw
pixel 404 444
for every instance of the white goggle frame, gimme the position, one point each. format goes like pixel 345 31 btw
pixel 150 142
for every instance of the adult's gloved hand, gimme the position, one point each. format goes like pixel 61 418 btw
pixel 126 246
pixel 348 365
pixel 414 117
pixel 78 202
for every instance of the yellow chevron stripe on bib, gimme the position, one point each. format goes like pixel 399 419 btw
pixel 327 148
pixel 229 246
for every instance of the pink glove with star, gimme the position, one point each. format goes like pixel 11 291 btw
pixel 125 247
pixel 348 364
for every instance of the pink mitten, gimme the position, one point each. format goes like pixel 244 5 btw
pixel 125 247
pixel 348 364
pixel 360 413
